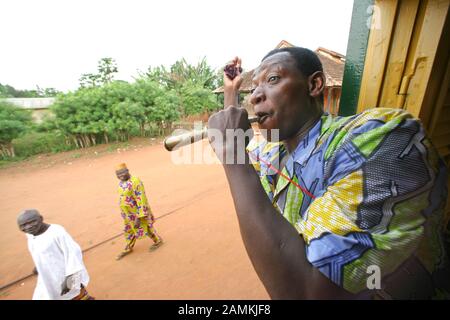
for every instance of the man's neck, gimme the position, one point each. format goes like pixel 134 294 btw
pixel 292 143
pixel 44 228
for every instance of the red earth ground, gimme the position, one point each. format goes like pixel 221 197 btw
pixel 203 256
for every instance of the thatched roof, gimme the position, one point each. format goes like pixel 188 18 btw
pixel 332 62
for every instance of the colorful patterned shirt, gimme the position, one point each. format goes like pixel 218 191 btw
pixel 134 205
pixel 374 193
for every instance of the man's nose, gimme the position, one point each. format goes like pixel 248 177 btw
pixel 28 226
pixel 257 96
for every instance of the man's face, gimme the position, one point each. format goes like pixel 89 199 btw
pixel 280 95
pixel 31 224
pixel 123 174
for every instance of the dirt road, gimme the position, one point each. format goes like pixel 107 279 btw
pixel 203 256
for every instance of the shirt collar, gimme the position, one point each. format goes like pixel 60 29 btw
pixel 304 148
pixel 271 152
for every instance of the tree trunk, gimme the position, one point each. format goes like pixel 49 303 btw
pixel 105 135
pixel 74 139
pixel 80 141
pixel 7 150
pixel 85 140
pixel 11 150
pixel 3 151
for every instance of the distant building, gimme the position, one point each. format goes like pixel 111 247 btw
pixel 39 106
pixel 333 67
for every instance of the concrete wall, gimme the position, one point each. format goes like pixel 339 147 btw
pixel 38 106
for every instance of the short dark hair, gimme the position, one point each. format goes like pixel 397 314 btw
pixel 306 60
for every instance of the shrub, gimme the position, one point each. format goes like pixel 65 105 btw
pixel 40 142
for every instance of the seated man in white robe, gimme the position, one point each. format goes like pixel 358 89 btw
pixel 57 258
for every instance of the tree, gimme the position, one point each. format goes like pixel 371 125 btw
pixel 83 115
pixel 7 91
pixel 158 75
pixel 181 72
pixel 13 122
pixel 127 115
pixel 197 100
pixel 103 109
pixel 46 92
pixel 106 68
pixel 166 109
pixel 89 80
pixel 193 84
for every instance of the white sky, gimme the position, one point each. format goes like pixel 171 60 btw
pixel 50 43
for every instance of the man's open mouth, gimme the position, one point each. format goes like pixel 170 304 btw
pixel 262 117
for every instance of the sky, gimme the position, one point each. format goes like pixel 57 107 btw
pixel 51 43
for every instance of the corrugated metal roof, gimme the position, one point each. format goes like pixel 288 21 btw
pixel 31 103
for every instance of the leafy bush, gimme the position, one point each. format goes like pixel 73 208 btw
pixel 14 121
pixel 40 142
pixel 103 110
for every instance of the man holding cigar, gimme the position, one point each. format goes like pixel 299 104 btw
pixel 336 208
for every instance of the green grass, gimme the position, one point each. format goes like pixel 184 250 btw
pixel 39 142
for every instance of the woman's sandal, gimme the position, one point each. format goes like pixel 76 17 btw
pixel 123 254
pixel 156 245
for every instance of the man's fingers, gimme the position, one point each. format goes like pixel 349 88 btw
pixel 238 64
pixel 235 62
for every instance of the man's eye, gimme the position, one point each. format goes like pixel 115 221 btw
pixel 273 78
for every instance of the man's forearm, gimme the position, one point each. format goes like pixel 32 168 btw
pixel 275 248
pixel 268 237
pixel 230 98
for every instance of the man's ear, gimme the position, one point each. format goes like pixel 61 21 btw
pixel 316 84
